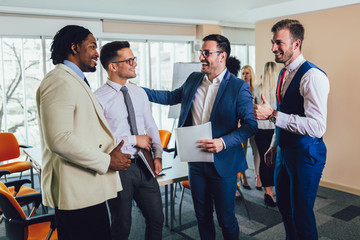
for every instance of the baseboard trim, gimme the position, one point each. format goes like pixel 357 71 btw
pixel 340 187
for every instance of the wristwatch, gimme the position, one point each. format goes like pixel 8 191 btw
pixel 273 116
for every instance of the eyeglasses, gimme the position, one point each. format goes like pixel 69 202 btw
pixel 206 53
pixel 130 61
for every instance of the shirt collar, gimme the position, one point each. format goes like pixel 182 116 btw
pixel 218 79
pixel 75 68
pixel 116 86
pixel 294 64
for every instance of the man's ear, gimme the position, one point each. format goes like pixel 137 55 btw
pixel 223 57
pixel 297 44
pixel 111 67
pixel 74 49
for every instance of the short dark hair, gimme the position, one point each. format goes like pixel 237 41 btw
pixel 109 51
pixel 233 65
pixel 296 29
pixel 64 39
pixel 222 43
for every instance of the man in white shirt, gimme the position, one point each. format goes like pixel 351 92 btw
pixel 127 111
pixel 300 121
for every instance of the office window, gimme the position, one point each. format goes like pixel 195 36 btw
pixel 21 67
pixel 245 53
pixel 24 61
pixel 163 57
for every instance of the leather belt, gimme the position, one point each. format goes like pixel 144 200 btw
pixel 135 159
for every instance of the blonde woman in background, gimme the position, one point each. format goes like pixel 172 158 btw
pixel 247 74
pixel 267 87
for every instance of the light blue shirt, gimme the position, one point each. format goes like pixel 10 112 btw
pixel 75 68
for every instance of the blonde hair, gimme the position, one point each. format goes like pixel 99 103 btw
pixel 268 81
pixel 252 77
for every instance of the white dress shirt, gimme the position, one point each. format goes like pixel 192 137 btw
pixel 204 99
pixel 112 102
pixel 314 87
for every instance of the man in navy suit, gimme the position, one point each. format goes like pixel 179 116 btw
pixel 217 96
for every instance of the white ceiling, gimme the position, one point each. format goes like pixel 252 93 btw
pixel 242 13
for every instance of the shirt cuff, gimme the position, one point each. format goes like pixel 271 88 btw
pixel 157 151
pixel 223 142
pixel 282 120
pixel 132 140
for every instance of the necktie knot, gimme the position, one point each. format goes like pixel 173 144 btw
pixel 124 89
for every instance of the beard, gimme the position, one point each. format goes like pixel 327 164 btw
pixel 92 69
pixel 286 56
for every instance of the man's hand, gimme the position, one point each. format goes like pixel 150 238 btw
pixel 270 157
pixel 263 111
pixel 158 166
pixel 143 141
pixel 119 161
pixel 211 145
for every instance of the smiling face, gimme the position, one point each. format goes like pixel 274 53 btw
pixel 86 55
pixel 124 70
pixel 285 48
pixel 214 64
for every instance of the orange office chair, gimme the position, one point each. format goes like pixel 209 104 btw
pixel 10 149
pixel 17 189
pixel 185 184
pixel 18 225
pixel 164 138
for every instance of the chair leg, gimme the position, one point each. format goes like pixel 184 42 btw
pixel 242 197
pixel 181 199
pixel 174 193
pixel 49 234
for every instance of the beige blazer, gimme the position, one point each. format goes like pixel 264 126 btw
pixel 76 141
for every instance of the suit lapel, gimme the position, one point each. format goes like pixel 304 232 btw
pixel 197 83
pixel 94 101
pixel 220 92
pixel 191 95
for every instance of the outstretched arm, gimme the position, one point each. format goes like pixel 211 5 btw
pixel 164 97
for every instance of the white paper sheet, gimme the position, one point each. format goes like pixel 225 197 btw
pixel 187 145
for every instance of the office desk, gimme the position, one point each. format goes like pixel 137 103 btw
pixel 35 157
pixel 177 172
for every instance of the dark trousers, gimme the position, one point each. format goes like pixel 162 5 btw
pixel 139 185
pixel 86 223
pixel 263 141
pixel 297 177
pixel 208 188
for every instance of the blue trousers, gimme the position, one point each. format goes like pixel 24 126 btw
pixel 297 176
pixel 208 188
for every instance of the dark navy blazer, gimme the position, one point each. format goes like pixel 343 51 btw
pixel 233 103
